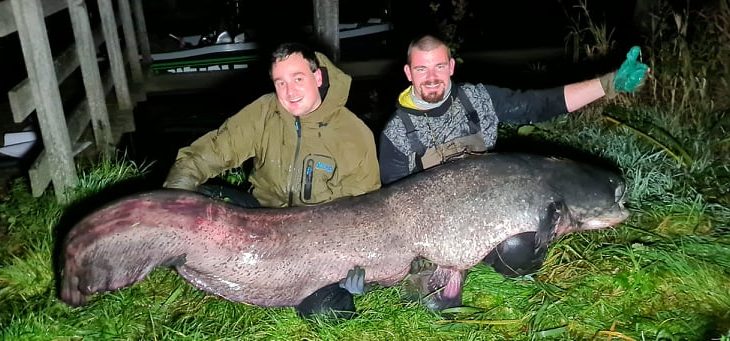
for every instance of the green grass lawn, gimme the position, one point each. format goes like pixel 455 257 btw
pixel 664 274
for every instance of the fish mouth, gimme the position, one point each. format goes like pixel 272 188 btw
pixel 613 217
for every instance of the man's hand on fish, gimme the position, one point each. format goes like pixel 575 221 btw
pixel 354 283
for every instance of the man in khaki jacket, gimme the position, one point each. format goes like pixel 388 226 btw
pixel 307 147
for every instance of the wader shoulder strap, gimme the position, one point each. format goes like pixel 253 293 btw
pixel 471 114
pixel 416 143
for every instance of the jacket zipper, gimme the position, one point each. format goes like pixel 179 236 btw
pixel 293 167
pixel 308 174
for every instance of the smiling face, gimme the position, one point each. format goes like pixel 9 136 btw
pixel 430 72
pixel 297 87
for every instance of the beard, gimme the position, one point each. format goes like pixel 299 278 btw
pixel 430 96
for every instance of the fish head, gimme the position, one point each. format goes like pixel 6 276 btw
pixel 595 198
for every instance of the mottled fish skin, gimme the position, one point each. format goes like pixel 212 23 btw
pixel 453 215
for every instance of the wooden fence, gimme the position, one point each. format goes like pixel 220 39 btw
pixel 127 54
pixel 109 116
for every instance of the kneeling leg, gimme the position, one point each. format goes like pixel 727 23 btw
pixel 329 300
pixel 517 255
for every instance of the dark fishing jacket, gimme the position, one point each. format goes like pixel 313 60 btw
pixel 414 139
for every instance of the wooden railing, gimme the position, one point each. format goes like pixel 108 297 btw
pixel 109 117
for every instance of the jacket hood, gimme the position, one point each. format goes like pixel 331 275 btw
pixel 405 100
pixel 335 90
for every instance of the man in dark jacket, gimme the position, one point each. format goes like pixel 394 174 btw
pixel 436 121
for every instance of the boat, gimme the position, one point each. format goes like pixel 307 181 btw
pixel 221 52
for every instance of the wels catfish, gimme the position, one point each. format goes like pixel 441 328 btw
pixel 452 215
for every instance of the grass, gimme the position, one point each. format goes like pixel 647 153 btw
pixel 662 275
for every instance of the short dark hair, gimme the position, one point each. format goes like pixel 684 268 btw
pixel 426 42
pixel 285 50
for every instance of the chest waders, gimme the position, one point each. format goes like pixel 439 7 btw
pixel 515 256
pixel 473 143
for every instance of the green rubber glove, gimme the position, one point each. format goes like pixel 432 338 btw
pixel 632 72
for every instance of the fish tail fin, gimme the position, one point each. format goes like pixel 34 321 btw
pixel 114 261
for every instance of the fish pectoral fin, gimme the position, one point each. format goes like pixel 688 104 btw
pixel 555 219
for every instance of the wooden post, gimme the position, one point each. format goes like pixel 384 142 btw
pixel 327 26
pixel 95 96
pixel 130 40
pixel 7 22
pixel 111 37
pixel 49 108
pixel 142 38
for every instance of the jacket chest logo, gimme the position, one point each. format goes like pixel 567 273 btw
pixel 324 166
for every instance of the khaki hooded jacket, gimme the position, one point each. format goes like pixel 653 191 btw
pixel 324 155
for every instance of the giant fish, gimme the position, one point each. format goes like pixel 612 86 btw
pixel 452 215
